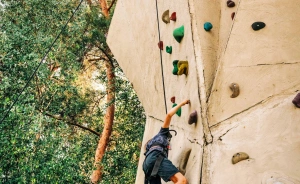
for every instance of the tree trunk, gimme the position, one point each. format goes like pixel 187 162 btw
pixel 108 122
pixel 104 8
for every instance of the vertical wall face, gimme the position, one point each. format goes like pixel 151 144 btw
pixel 261 121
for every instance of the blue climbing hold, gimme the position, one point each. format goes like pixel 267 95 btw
pixel 208 26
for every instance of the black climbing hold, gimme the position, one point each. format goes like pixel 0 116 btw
pixel 178 111
pixel 173 16
pixel 178 33
pixel 208 26
pixel 183 67
pixel 239 157
pixel 169 49
pixel 232 15
pixel 296 100
pixel 175 69
pixel 230 4
pixel 165 17
pixel 258 25
pixel 235 88
pixel 193 118
pixel 173 99
pixel 161 45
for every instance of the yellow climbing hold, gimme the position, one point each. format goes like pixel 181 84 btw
pixel 183 67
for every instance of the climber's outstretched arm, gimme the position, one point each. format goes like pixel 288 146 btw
pixel 172 112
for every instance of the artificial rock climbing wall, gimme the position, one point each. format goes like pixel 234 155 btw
pixel 253 124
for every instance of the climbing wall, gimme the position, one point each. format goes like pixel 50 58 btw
pixel 237 61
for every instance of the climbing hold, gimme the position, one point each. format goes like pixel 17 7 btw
pixel 173 99
pixel 183 67
pixel 175 69
pixel 169 49
pixel 230 4
pixel 165 17
pixel 193 118
pixel 296 100
pixel 178 111
pixel 161 45
pixel 258 25
pixel 239 157
pixel 178 33
pixel 232 15
pixel 208 26
pixel 235 88
pixel 173 16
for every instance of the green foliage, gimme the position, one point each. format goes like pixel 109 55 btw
pixel 37 147
pixel 121 160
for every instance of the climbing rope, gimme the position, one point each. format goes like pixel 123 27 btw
pixel 38 66
pixel 161 64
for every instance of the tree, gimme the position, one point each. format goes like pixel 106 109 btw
pixel 52 131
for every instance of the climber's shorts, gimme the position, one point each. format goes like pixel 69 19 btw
pixel 166 169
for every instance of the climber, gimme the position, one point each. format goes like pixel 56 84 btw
pixel 156 164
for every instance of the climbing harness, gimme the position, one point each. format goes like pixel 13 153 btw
pixel 160 157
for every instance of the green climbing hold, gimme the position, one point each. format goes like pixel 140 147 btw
pixel 178 111
pixel 208 26
pixel 178 33
pixel 169 49
pixel 183 67
pixel 175 69
pixel 165 17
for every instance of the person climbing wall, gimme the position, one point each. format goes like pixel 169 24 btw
pixel 156 164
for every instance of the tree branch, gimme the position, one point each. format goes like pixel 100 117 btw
pixel 70 122
pixel 112 3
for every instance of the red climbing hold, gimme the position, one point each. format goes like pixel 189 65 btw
pixel 161 45
pixel 296 100
pixel 173 16
pixel 232 15
pixel 173 99
pixel 230 4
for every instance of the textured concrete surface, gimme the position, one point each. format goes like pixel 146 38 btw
pixel 261 121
